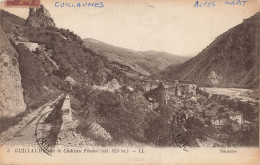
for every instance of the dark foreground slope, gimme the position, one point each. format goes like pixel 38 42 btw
pixel 54 61
pixel 232 60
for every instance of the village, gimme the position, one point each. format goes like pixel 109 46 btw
pixel 221 117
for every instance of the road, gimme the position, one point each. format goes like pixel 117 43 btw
pixel 24 132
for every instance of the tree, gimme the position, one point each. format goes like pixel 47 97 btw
pixel 37 52
pixel 195 130
pixel 198 90
pixel 161 86
pixel 227 129
pixel 208 122
pixel 193 123
pixel 159 132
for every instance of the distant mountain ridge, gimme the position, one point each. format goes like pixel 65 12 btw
pixel 231 60
pixel 143 62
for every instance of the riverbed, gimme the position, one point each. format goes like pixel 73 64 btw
pixel 233 93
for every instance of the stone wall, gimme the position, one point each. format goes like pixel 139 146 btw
pixel 30 45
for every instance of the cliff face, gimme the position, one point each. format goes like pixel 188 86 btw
pixel 232 60
pixel 11 91
pixel 39 17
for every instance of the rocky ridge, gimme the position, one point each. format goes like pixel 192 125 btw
pixel 40 17
pixel 232 60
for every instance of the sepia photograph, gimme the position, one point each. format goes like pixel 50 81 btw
pixel 129 82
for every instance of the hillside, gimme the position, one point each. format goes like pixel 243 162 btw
pixel 143 62
pixel 51 59
pixel 231 60
pixel 41 62
pixel 87 93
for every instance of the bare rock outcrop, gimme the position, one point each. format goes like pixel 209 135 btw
pixel 11 91
pixel 214 78
pixel 39 18
pixel 97 132
pixel 111 86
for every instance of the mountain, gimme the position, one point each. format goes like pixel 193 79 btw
pixel 231 60
pixel 143 62
pixel 90 88
pixel 40 63
pixel 51 59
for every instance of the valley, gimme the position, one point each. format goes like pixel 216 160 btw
pixel 86 92
pixel 235 93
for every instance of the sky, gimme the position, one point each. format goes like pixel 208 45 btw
pixel 173 26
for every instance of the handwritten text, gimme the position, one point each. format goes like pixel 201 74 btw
pixel 86 4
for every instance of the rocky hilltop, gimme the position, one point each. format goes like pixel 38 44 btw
pixel 232 60
pixel 39 17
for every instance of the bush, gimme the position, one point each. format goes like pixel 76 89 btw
pixel 195 130
pixel 159 132
pixel 124 117
pixel 7 122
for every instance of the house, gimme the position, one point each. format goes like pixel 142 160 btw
pixel 210 105
pixel 217 121
pixel 218 108
pixel 168 84
pixel 178 103
pixel 171 91
pixel 188 113
pixel 189 104
pixel 199 109
pixel 213 111
pixel 190 100
pixel 188 88
pixel 236 116
pixel 210 114
pixel 194 99
pixel 30 45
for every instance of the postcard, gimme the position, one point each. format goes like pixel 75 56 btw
pixel 129 82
